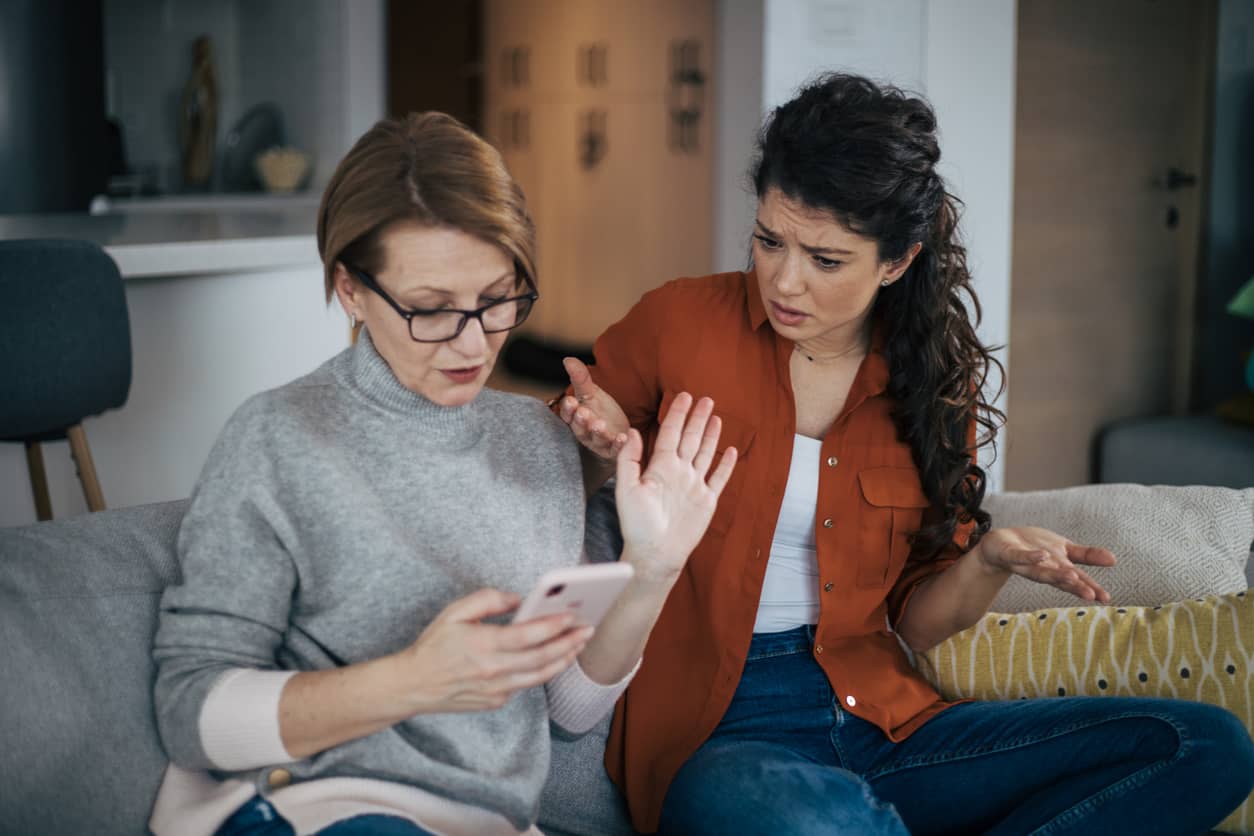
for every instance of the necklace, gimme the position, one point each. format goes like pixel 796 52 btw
pixel 813 359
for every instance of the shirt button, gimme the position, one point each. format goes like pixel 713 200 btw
pixel 850 701
pixel 827 523
pixel 279 778
pixel 831 461
pixel 827 587
pixel 818 648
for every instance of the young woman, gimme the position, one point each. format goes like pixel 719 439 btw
pixel 776 695
pixel 336 659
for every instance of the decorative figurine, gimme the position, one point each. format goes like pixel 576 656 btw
pixel 198 116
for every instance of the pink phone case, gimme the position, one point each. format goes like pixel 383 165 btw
pixel 588 591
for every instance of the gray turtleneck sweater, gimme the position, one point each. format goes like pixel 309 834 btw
pixel 335 518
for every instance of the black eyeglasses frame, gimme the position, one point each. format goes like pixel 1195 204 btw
pixel 409 314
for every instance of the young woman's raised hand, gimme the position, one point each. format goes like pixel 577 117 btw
pixel 460 664
pixel 597 420
pixel 1045 557
pixel 665 510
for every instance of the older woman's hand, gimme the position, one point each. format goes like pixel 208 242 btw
pixel 665 511
pixel 460 664
pixel 1045 557
pixel 596 419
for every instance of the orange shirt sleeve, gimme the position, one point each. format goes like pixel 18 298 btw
pixel 916 570
pixel 628 356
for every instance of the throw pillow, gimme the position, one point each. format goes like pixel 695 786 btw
pixel 1199 649
pixel 1172 542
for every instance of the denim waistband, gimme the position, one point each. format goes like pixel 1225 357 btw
pixel 783 643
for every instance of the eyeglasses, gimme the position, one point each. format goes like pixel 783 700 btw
pixel 444 324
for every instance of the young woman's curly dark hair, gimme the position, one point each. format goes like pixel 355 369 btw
pixel 867 154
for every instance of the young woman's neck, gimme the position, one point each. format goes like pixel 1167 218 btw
pixel 838 344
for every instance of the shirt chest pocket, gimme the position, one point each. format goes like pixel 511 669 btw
pixel 892 509
pixel 736 432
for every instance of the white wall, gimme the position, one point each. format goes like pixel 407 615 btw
pixel 959 53
pixel 969 76
pixel 882 39
pixel 738 68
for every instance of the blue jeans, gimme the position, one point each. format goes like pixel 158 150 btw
pixel 786 758
pixel 259 818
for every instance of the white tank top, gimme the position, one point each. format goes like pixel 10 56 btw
pixel 790 590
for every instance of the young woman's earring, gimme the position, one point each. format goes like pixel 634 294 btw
pixel 884 283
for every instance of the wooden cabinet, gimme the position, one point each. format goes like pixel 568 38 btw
pixel 581 98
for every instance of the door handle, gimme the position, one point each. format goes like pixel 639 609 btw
pixel 1176 179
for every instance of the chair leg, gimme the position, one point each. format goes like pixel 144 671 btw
pixel 38 481
pixel 86 468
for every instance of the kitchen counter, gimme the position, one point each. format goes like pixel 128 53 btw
pixel 185 242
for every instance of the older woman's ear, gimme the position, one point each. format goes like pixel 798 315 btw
pixel 346 290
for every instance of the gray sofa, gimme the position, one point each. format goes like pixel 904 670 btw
pixel 79 751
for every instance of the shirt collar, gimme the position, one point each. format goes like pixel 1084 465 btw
pixel 872 377
pixel 753 298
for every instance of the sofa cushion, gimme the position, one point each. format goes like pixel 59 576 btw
pixel 579 798
pixel 1172 542
pixel 1195 649
pixel 78 605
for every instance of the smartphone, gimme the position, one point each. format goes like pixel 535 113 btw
pixel 588 591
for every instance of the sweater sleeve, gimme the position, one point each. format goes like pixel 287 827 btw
pixel 230 610
pixel 576 703
pixel 239 722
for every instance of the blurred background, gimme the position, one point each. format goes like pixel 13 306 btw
pixel 1102 148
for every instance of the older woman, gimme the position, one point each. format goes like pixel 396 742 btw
pixel 776 696
pixel 334 660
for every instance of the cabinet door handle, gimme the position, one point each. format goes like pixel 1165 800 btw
pixel 516 66
pixel 593 143
pixel 591 63
pixel 1175 179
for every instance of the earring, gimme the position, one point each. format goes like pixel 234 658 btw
pixel 885 283
pixel 352 320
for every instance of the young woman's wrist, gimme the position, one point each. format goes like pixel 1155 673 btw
pixel 654 573
pixel 987 567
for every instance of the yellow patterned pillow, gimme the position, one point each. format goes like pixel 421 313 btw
pixel 1196 650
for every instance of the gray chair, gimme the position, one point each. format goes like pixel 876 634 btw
pixel 1177 450
pixel 66 342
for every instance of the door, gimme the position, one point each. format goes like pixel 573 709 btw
pixel 435 58
pixel 621 205
pixel 1110 128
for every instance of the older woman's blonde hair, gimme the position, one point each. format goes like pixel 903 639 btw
pixel 429 168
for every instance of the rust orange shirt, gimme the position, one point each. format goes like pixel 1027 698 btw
pixel 710 336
